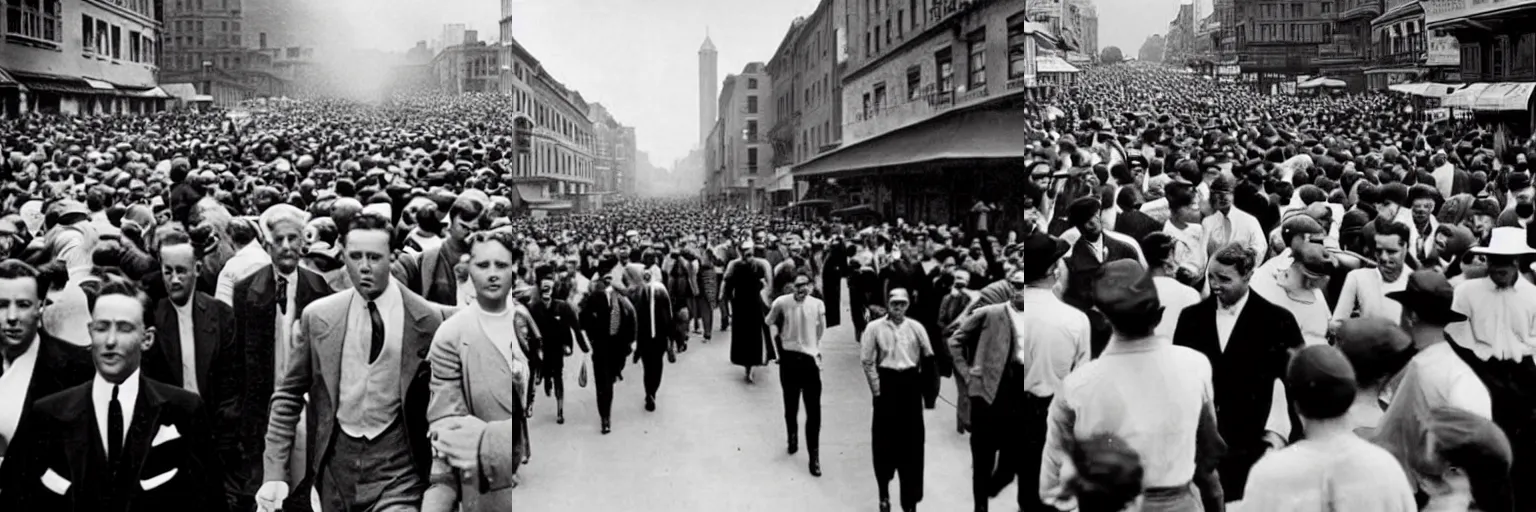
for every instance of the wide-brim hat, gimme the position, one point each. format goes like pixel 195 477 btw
pixel 1506 241
pixel 1429 296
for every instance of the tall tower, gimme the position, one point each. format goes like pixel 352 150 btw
pixel 506 21
pixel 709 87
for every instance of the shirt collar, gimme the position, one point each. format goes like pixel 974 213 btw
pixel 1236 308
pixel 128 393
pixel 289 276
pixel 29 353
pixel 388 300
pixel 184 309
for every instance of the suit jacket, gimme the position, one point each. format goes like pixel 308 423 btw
pixel 470 377
pixel 986 336
pixel 1082 265
pixel 1243 375
pixel 1136 224
pixel 216 358
pixel 60 366
pixel 557 323
pixel 167 456
pixel 314 367
pixel 665 328
pixel 595 315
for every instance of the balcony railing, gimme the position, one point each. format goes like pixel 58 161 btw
pixel 1400 51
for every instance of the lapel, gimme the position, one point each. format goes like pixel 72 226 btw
pixel 264 291
pixel 1250 318
pixel 205 339
pixel 417 337
pixel 168 337
pixel 142 427
pixel 1207 339
pixel 489 358
pixel 83 451
pixel 327 338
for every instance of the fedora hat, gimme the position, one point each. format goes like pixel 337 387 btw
pixel 1429 296
pixel 1506 241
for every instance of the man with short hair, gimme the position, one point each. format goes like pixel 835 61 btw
pixel 1366 290
pixel 122 441
pixel 557 321
pixel 357 371
pixel 33 364
pixel 892 349
pixel 801 321
pixel 608 318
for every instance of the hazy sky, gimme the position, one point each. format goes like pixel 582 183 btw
pixel 640 57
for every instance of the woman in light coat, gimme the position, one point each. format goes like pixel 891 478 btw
pixel 480 376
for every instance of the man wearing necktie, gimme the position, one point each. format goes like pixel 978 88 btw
pixel 609 320
pixel 655 332
pixel 121 442
pixel 266 305
pixel 356 369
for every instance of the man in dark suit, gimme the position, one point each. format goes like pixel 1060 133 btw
pixel 358 371
pixel 654 332
pixel 153 451
pixel 1248 341
pixel 267 303
pixel 556 320
pixel 1092 250
pixel 1132 221
pixel 609 320
pixel 32 363
pixel 196 342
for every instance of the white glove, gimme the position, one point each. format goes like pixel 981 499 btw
pixel 271 495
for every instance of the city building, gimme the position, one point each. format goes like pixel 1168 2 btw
pixel 934 102
pixel 559 170
pixel 453 35
pixel 80 57
pixel 1404 51
pixel 1279 41
pixel 1497 40
pixel 784 71
pixel 613 152
pixel 709 88
pixel 807 116
pixel 1084 16
pixel 470 66
pixel 746 155
pixel 204 45
pixel 1182 43
pixel 1348 51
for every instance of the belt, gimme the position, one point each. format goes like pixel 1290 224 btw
pixel 1166 492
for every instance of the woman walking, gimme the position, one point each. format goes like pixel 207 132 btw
pixel 480 375
pixel 745 279
pixel 703 307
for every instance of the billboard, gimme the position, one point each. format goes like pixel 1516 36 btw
pixel 1439 11
pixel 1442 51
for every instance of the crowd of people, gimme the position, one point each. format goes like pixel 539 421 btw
pixel 1203 298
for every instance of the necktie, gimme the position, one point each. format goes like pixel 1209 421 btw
pixel 282 294
pixel 114 428
pixel 650 304
pixel 377 331
pixel 614 314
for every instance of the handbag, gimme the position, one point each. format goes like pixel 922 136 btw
pixel 581 379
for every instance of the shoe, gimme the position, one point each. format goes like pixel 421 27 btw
pixel 885 505
pixel 794 444
pixel 650 403
pixel 815 467
pixel 671 357
pixel 560 419
pixel 606 427
pixel 529 413
pixel 706 338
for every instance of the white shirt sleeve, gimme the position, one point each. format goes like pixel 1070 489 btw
pixel 1347 295
pixel 1469 394
pixel 1279 420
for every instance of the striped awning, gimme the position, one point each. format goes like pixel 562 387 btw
pixel 1492 97
pixel 1054 64
pixel 6 82
pixel 99 85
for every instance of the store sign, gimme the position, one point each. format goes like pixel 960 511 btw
pixel 1443 51
pixel 1436 11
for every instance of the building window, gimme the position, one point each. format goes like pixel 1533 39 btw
pixel 751 104
pixel 1327 8
pixel 901 20
pixel 877 39
pixel 914 82
pixel 1018 50
pixel 867 49
pixel 888 32
pixel 944 63
pixel 751 160
pixel 751 134
pixel 117 42
pixel 33 19
pixel 879 97
pixel 751 83
pixel 866 106
pixel 87 33
pixel 912 8
pixel 134 40
pixel 977 64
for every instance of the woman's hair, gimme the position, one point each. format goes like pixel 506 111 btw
pixel 1478 447
pixel 504 238
pixel 1109 474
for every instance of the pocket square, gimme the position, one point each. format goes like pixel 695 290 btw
pixel 158 481
pixel 166 434
pixel 55 483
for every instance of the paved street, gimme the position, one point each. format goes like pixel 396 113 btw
pixel 717 443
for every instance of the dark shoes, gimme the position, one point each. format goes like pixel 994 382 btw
pixel 560 419
pixel 885 505
pixel 794 443
pixel 607 427
pixel 650 403
pixel 815 467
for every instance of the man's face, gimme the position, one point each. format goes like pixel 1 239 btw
pixel 1503 270
pixel 802 287
pixel 366 254
pixel 1390 252
pixel 1221 200
pixel 547 290
pixel 463 225
pixel 286 245
pixel 1387 209
pixel 20 309
pixel 118 336
pixel 1227 284
pixel 1422 210
pixel 178 267
pixel 898 309
pixel 1091 228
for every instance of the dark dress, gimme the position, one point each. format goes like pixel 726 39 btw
pixel 832 282
pixel 743 287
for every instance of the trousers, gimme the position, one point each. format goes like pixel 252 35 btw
pixel 605 369
pixel 653 361
pixel 897 432
pixel 1007 439
pixel 800 376
pixel 376 475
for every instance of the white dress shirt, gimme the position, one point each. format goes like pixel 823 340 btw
pixel 284 328
pixel 1366 291
pixel 1189 246
pixel 1235 226
pixel 14 385
pixel 127 398
pixel 356 348
pixel 247 260
pixel 188 345
pixel 1175 297
pixel 1055 339
pixel 1501 324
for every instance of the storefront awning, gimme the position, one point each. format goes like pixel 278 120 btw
pixel 1054 64
pixel 1425 89
pixel 6 82
pixel 531 193
pixel 99 85
pixel 55 84
pixel 969 134
pixel 151 93
pixel 1492 97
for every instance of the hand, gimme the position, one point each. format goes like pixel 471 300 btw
pixel 570 350
pixel 457 440
pixel 271 495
